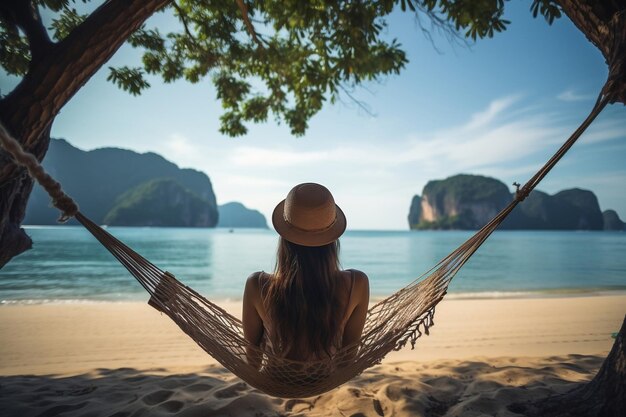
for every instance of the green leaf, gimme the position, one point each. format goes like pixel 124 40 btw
pixel 14 50
pixel 128 79
pixel 66 22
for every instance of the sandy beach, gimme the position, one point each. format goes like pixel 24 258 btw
pixel 126 359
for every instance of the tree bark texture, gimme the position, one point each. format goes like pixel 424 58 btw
pixel 603 396
pixel 604 25
pixel 52 80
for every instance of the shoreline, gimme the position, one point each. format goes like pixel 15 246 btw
pixel 451 296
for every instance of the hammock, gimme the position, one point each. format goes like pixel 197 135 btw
pixel 393 322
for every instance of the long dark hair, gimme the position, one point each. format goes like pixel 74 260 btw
pixel 301 299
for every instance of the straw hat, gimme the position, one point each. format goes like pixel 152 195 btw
pixel 309 216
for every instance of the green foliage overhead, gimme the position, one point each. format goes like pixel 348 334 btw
pixel 66 22
pixel 14 50
pixel 283 58
pixel 128 79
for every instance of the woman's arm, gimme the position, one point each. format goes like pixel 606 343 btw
pixel 252 323
pixel 354 327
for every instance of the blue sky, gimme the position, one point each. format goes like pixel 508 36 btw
pixel 500 108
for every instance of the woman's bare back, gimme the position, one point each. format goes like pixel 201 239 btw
pixel 352 298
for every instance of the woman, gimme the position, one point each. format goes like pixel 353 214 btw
pixel 308 308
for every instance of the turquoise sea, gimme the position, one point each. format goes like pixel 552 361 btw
pixel 67 264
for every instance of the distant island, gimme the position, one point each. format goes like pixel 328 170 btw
pixel 467 202
pixel 119 187
pixel 161 202
pixel 235 214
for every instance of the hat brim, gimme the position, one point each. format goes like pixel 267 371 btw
pixel 307 238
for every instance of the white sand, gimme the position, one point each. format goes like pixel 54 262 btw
pixel 126 358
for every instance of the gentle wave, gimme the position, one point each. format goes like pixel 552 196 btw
pixel 563 292
pixel 62 301
pixel 485 295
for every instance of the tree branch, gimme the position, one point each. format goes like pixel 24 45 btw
pixel 604 24
pixel 30 108
pixel 183 18
pixel 246 19
pixel 28 111
pixel 25 15
pixel 356 101
pixel 592 18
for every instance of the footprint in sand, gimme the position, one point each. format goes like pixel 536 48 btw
pixel 58 409
pixel 398 392
pixel 171 406
pixel 198 388
pixel 76 391
pixel 354 392
pixel 156 397
pixel 133 379
pixel 171 383
pixel 297 405
pixel 378 407
pixel 231 391
pixel 121 414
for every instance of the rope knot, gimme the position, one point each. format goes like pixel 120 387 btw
pixel 521 193
pixel 60 200
pixel 68 207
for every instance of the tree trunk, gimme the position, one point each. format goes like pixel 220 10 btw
pixel 604 24
pixel 603 396
pixel 55 75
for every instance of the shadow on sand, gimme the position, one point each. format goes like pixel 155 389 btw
pixel 442 388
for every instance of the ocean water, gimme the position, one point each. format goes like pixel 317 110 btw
pixel 68 264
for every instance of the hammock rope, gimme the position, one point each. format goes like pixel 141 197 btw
pixel 391 323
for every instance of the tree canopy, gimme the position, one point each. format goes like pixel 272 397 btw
pixel 279 58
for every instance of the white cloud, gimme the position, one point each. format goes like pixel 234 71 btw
pixel 496 107
pixel 179 145
pixel 571 95
pixel 249 156
pixel 489 138
pixel 486 140
pixel 604 130
pixel 253 181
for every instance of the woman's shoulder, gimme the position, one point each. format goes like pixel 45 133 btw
pixel 257 281
pixel 253 281
pixel 358 275
pixel 361 281
pixel 253 289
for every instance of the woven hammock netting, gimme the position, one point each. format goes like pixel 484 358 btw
pixel 391 323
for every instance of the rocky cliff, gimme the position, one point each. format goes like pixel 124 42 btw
pixel 459 202
pixel 97 178
pixel 237 215
pixel 161 202
pixel 467 202
pixel 612 222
